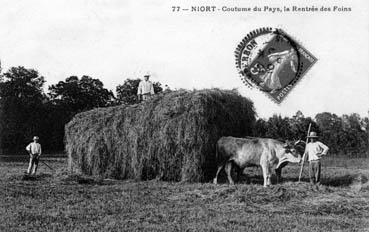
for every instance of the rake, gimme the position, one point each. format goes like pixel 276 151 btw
pixel 303 157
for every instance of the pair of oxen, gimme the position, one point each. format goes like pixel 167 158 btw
pixel 240 153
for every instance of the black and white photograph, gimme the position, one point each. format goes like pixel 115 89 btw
pixel 184 115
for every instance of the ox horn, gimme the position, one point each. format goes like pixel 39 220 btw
pixel 299 141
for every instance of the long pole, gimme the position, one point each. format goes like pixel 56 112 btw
pixel 46 164
pixel 303 157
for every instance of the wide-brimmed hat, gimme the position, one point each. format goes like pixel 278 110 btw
pixel 147 74
pixel 313 134
pixel 35 138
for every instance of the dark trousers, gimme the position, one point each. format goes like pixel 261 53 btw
pixel 33 164
pixel 314 171
pixel 146 96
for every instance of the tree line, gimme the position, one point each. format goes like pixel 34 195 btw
pixel 345 135
pixel 27 110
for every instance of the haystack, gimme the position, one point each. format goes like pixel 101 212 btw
pixel 171 137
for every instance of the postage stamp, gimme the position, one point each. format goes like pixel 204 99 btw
pixel 270 60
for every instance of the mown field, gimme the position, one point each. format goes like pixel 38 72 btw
pixel 54 201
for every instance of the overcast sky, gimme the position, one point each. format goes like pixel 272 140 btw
pixel 115 40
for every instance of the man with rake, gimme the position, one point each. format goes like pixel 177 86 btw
pixel 314 151
pixel 34 150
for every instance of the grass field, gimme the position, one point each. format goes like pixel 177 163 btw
pixel 54 201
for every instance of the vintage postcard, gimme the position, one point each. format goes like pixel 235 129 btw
pixel 184 115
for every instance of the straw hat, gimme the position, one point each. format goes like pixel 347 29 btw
pixel 313 135
pixel 35 138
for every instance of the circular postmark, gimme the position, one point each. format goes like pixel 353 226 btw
pixel 271 60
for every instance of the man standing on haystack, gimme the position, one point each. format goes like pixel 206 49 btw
pixel 314 151
pixel 34 150
pixel 145 88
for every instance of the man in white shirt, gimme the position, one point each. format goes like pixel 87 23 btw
pixel 145 88
pixel 34 150
pixel 314 151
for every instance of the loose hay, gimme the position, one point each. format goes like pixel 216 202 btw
pixel 171 137
pixel 360 182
